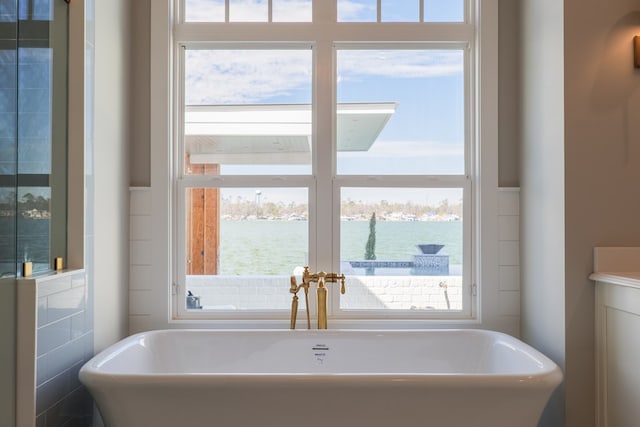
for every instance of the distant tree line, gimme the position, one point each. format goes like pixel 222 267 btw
pixel 384 208
pixel 240 207
pixel 27 202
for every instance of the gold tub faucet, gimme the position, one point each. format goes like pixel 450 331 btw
pixel 320 278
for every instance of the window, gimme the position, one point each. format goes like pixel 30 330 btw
pixel 335 134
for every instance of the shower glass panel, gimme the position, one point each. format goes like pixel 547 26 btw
pixel 33 133
pixel 8 136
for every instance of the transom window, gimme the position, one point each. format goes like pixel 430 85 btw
pixel 302 10
pixel 333 134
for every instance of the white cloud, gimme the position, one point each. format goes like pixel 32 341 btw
pixel 399 63
pixel 242 77
pixel 245 77
pixel 204 10
pixel 354 11
pixel 248 10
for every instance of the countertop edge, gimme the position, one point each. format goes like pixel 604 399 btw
pixel 631 279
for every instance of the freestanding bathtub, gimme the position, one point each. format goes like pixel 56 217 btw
pixel 242 378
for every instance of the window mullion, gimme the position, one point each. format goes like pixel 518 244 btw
pixel 323 136
pixel 325 11
pixel 362 33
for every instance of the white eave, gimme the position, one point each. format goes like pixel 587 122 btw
pixel 269 134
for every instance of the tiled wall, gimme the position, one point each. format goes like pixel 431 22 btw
pixel 141 243
pixel 63 343
pixel 509 252
pixel 140 249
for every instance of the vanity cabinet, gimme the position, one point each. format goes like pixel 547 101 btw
pixel 617 344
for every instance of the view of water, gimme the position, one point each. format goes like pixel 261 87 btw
pixel 33 243
pixel 276 247
pixel 273 247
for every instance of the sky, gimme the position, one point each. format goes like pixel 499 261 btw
pixel 348 10
pixel 424 136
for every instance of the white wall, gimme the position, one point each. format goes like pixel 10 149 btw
pixel 111 166
pixel 602 170
pixel 542 184
pixel 140 174
pixel 580 174
pixel 508 101
pixel 150 206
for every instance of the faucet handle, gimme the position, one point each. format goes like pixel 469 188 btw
pixel 334 277
pixel 294 285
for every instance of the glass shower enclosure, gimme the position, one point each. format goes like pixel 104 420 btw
pixel 33 134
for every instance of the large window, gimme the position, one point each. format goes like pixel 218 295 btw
pixel 334 134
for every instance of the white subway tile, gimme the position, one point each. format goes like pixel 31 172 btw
pixel 140 323
pixel 42 311
pixel 509 201
pixel 140 277
pixel 140 252
pixel 140 201
pixel 509 253
pixel 53 335
pixel 509 278
pixel 50 286
pixel 509 303
pixel 508 227
pixel 78 280
pixel 140 302
pixel 140 227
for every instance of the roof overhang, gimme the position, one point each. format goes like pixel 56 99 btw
pixel 275 134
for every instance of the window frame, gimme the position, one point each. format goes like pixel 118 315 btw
pixel 482 199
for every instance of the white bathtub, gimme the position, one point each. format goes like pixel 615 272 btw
pixel 329 378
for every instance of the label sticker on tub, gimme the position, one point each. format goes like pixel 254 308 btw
pixel 320 352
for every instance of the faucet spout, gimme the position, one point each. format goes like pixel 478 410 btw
pixel 322 304
pixel 294 311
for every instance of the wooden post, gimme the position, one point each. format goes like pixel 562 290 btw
pixel 203 223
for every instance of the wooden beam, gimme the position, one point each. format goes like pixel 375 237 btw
pixel 203 223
